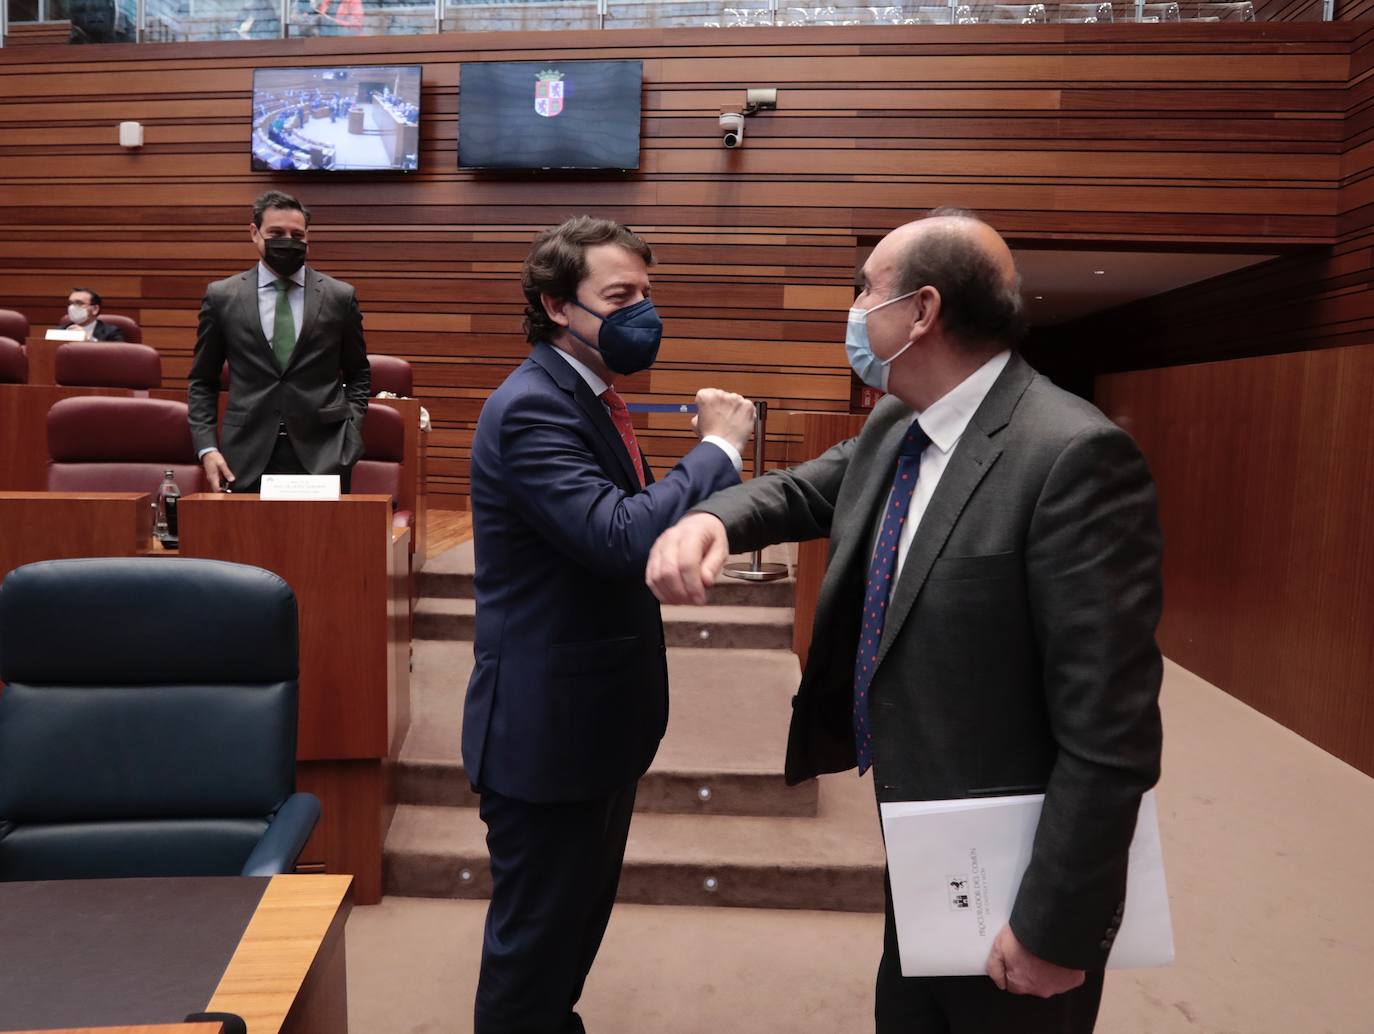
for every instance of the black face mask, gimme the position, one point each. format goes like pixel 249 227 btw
pixel 284 255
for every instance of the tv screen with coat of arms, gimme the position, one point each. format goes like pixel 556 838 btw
pixel 549 115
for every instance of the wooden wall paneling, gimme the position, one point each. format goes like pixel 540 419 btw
pixel 1265 469
pixel 1230 134
pixel 817 432
pixel 354 820
pixel 1249 395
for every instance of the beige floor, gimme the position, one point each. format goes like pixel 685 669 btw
pixel 1270 850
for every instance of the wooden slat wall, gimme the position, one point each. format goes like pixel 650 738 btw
pixel 1266 480
pixel 1229 134
pixel 1321 297
pixel 1265 465
pixel 37 34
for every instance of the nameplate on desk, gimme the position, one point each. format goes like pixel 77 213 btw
pixel 300 486
pixel 65 334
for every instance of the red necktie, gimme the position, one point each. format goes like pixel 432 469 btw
pixel 620 416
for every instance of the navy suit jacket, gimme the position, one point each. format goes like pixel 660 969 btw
pixel 569 692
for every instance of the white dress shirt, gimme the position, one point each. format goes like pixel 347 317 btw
pixel 944 423
pixel 267 298
pixel 599 387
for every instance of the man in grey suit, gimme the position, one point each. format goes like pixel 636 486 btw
pixel 298 372
pixel 986 621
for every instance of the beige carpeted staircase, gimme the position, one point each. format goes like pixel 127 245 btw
pixel 715 823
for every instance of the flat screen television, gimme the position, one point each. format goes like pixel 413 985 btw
pixel 549 115
pixel 352 119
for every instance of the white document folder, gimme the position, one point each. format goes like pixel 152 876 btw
pixel 956 866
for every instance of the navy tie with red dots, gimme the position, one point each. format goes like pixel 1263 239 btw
pixel 881 571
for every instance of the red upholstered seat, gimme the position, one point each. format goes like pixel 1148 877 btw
pixel 104 364
pixel 99 444
pixel 379 471
pixel 14 363
pixel 14 325
pixel 390 374
pixel 128 326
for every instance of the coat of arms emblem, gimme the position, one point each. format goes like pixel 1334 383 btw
pixel 548 93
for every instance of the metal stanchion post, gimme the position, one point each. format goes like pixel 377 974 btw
pixel 756 570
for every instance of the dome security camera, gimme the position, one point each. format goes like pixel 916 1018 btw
pixel 732 128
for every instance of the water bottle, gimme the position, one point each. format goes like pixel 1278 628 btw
pixel 165 526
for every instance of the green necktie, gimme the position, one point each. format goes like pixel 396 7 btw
pixel 283 325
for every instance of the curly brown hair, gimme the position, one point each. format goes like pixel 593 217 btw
pixel 557 264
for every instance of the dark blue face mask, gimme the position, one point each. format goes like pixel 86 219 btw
pixel 629 338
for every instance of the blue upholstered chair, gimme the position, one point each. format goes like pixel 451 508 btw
pixel 148 721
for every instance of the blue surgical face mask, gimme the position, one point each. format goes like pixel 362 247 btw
pixel 629 338
pixel 871 370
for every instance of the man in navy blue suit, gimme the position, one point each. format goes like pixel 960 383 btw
pixel 569 692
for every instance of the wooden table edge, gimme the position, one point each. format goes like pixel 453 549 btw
pixel 291 926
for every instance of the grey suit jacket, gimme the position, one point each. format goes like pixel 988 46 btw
pixel 321 395
pixel 1018 652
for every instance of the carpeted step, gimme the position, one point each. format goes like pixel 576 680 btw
pixel 722 755
pixel 833 861
pixel 737 628
pixel 449 576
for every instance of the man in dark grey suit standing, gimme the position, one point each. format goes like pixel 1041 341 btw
pixel 986 621
pixel 298 372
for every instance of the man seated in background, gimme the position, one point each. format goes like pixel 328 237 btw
pixel 83 309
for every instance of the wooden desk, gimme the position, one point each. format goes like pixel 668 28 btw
pixel 38 526
pixel 348 569
pixel 399 138
pixel 42 359
pixel 413 496
pixel 270 951
pixel 24 431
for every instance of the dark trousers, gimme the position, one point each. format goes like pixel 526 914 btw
pixel 554 872
pixel 972 1005
pixel 285 461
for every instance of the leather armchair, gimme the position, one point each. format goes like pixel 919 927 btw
pixel 105 364
pixel 148 721
pixel 14 362
pixel 379 471
pixel 392 374
pixel 102 444
pixel 14 325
